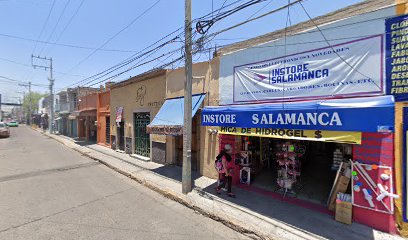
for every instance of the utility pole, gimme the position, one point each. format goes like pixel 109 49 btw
pixel 51 79
pixel 30 104
pixel 186 178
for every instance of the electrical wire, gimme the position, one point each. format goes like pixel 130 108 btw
pixel 55 26
pixel 44 25
pixel 115 35
pixel 124 62
pixel 150 52
pixel 29 66
pixel 203 26
pixel 331 46
pixel 139 64
pixel 62 44
pixel 255 18
pixel 69 21
pixel 132 58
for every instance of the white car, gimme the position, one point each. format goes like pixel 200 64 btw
pixel 4 130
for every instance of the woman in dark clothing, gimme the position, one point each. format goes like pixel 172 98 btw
pixel 227 169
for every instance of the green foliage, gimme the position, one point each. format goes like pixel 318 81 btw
pixel 33 98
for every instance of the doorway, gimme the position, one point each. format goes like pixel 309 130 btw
pixel 195 145
pixel 306 168
pixel 142 138
pixel 121 135
pixel 107 130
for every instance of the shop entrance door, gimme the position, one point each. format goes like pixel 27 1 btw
pixel 142 138
pixel 121 132
pixel 194 147
pixel 107 130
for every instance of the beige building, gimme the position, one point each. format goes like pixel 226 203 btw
pixel 169 121
pixel 134 103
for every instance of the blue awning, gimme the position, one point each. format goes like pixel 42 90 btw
pixel 170 119
pixel 369 114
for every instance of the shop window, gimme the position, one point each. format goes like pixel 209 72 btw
pixel 142 138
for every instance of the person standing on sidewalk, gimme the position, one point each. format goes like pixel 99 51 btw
pixel 225 170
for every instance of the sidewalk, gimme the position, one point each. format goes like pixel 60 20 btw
pixel 253 213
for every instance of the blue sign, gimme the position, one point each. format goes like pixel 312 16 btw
pixel 374 114
pixel 397 57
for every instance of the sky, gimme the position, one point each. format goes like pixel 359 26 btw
pixel 86 37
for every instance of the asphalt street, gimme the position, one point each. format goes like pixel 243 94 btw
pixel 48 191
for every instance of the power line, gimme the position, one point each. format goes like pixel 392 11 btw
pixel 150 52
pixel 55 26
pixel 69 21
pixel 10 80
pixel 45 24
pixel 126 61
pixel 255 18
pixel 202 26
pixel 132 58
pixel 139 64
pixel 62 44
pixel 115 35
pixel 335 52
pixel 27 65
pixel 262 8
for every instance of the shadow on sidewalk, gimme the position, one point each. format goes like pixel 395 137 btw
pixel 306 216
pixel 84 143
pixel 174 172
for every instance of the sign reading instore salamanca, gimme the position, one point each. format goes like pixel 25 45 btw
pixel 331 115
pixel 313 74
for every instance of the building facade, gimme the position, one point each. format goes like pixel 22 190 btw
pixel 63 114
pixel 133 105
pixel 167 125
pixel 86 117
pixel 301 104
pixel 103 118
pixel 73 95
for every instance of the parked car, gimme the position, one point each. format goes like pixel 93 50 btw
pixel 4 130
pixel 12 124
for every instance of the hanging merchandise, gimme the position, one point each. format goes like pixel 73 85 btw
pixel 337 159
pixel 243 158
pixel 288 156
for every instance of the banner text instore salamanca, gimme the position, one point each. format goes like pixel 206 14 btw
pixel 302 119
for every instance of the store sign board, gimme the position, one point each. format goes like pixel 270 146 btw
pixel 311 135
pixel 397 57
pixel 341 119
pixel 348 69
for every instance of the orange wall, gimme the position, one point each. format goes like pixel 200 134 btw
pixel 88 101
pixel 103 110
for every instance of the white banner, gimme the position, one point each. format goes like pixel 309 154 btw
pixel 348 69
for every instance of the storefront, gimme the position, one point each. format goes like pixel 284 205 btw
pixel 133 105
pixel 103 118
pixel 296 149
pixel 167 125
pixel 309 119
pixel 86 117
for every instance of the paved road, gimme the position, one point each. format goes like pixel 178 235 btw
pixel 50 192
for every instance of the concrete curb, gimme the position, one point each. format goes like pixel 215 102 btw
pixel 238 218
pixel 168 194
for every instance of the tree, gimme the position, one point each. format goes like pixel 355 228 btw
pixel 34 97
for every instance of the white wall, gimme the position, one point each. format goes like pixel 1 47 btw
pixel 345 30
